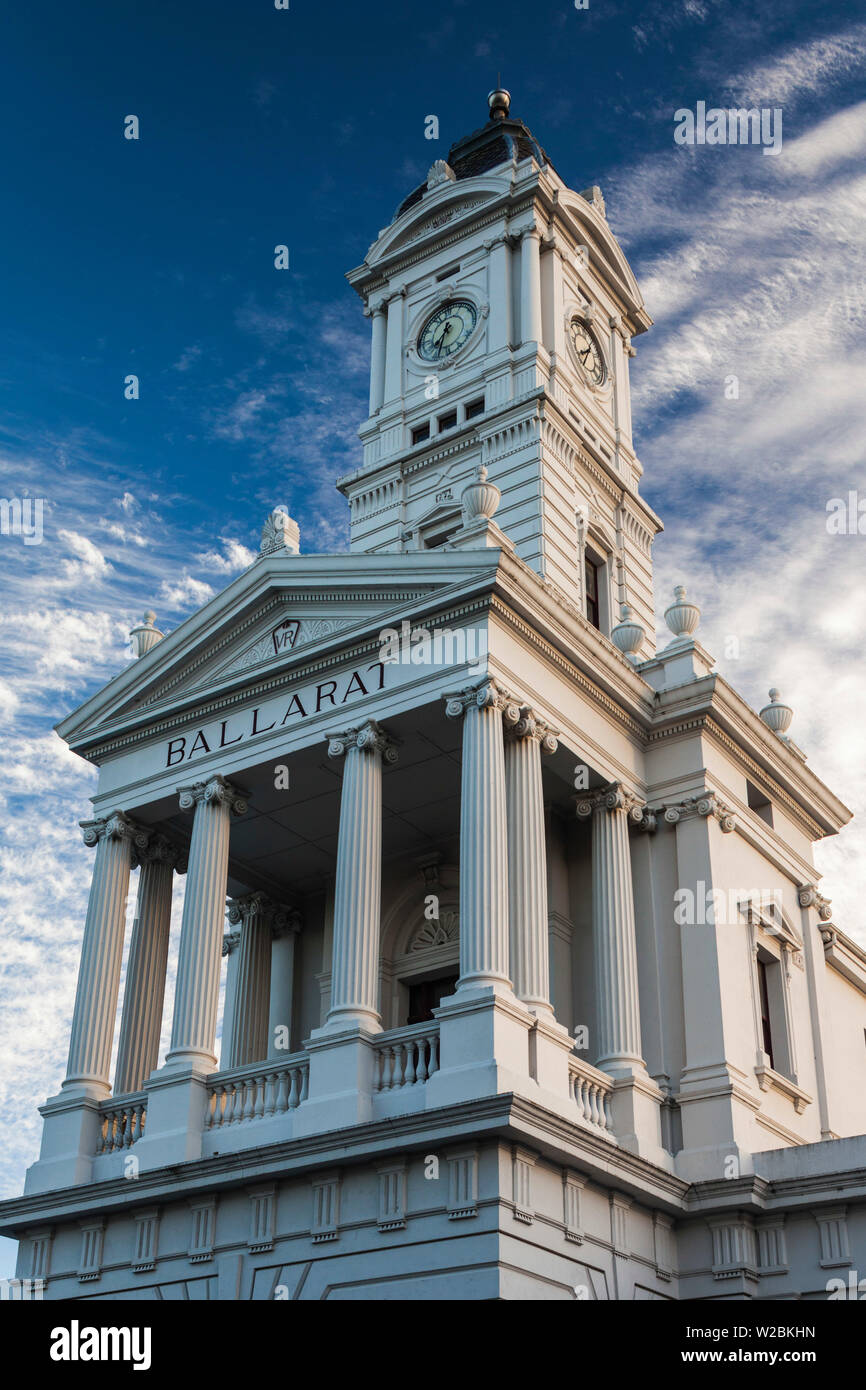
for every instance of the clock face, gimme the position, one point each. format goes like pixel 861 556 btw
pixel 587 351
pixel 447 330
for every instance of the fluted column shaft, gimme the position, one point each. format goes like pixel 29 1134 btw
pixel 483 835
pixel 196 997
pixel 144 993
pixel 358 888
pixel 282 989
pixel 377 359
pixel 527 861
pixel 249 1036
pixel 530 286
pixel 613 928
pixel 101 951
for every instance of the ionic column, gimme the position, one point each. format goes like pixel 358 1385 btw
pixel 144 993
pixel 358 890
pixel 198 968
pixel 530 286
pixel 101 950
pixel 249 1033
pixel 394 348
pixel 483 834
pixel 377 357
pixel 284 935
pixel 527 860
pixel 613 927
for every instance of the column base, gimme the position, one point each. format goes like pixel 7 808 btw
pixel 174 1125
pixel 342 1074
pixel 70 1134
pixel 485 1049
pixel 635 1108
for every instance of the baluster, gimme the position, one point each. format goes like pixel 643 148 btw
pixel 259 1088
pixel 434 1054
pixel 605 1110
pixel 409 1076
pixel 596 1094
pixel 305 1081
pixel 293 1101
pixel 399 1062
pixel 232 1096
pixel 580 1092
pixel 112 1131
pixel 249 1086
pixel 103 1130
pixel 283 1101
pixel 270 1093
pixel 128 1117
pixel 422 1060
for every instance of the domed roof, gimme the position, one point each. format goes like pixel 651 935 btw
pixel 502 139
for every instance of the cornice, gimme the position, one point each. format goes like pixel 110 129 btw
pixel 506 1116
pixel 585 684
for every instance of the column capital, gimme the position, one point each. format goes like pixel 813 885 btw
pixel 215 789
pixel 613 797
pixel 530 230
pixel 370 737
pixel 808 896
pixel 158 849
pixel 707 804
pixel 531 726
pixel 258 906
pixel 487 694
pixel 116 826
pixel 231 941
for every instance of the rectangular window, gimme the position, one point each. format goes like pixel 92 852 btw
pixel 590 573
pixel 447 422
pixel 475 408
pixel 766 1027
pixel 759 802
pixel 420 434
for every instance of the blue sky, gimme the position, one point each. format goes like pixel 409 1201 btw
pixel 306 127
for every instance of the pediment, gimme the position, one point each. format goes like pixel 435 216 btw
pixel 280 615
pixel 438 208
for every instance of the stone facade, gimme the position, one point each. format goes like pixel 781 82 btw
pixel 531 991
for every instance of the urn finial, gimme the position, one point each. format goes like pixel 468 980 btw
pixel 682 617
pixel 479 499
pixel 145 635
pixel 777 716
pixel 628 634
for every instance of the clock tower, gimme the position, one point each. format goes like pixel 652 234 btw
pixel 503 312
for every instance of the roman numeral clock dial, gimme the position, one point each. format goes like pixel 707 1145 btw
pixel 447 330
pixel 587 351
